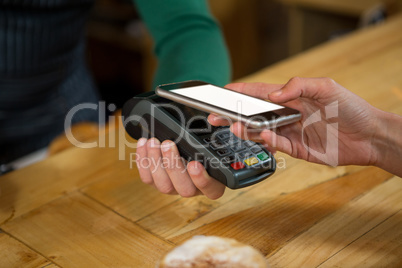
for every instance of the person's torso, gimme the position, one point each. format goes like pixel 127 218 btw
pixel 42 65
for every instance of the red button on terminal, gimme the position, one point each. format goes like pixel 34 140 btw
pixel 237 165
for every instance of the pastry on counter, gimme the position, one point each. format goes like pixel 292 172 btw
pixel 213 252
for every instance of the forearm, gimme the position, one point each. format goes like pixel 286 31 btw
pixel 188 42
pixel 198 54
pixel 388 142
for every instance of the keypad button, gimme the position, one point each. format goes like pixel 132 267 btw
pixel 237 165
pixel 217 145
pixel 263 156
pixel 243 155
pixel 239 149
pixel 228 159
pixel 237 146
pixel 223 152
pixel 251 161
pixel 249 143
pixel 207 140
pixel 224 136
pixel 255 149
pixel 232 142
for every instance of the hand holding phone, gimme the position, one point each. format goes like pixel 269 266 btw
pixel 253 112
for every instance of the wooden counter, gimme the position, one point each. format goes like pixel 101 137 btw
pixel 86 208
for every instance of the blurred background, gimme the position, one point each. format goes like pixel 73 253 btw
pixel 258 33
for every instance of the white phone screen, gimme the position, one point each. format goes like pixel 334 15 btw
pixel 227 99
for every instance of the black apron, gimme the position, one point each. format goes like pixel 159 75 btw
pixel 42 72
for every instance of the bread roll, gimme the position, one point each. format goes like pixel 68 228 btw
pixel 213 252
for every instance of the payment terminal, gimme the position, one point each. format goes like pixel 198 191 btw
pixel 227 158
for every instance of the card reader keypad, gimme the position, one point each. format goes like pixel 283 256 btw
pixel 235 152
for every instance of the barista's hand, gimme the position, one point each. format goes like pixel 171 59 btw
pixel 327 102
pixel 161 166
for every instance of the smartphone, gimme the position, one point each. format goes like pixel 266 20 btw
pixel 253 112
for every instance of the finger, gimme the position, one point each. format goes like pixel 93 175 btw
pixel 143 163
pixel 210 187
pixel 241 131
pixel 218 120
pixel 176 170
pixel 258 90
pixel 271 150
pixel 251 134
pixel 160 177
pixel 274 142
pixel 313 88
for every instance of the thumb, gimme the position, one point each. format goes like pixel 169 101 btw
pixel 312 88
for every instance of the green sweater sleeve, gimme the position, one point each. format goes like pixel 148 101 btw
pixel 188 42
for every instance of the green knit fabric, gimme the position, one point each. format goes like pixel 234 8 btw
pixel 188 41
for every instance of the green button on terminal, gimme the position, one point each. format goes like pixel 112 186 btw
pixel 263 156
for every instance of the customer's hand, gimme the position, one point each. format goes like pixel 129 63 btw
pixel 161 166
pixel 336 128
